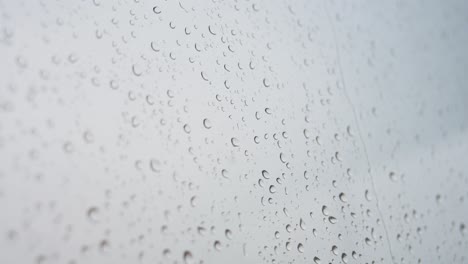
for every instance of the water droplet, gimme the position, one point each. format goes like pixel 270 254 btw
pixel 228 234
pixel 114 84
pixel 135 121
pixel 368 241
pixel 338 156
pixel 201 230
pixel 256 140
pixel 260 182
pixel 149 99
pixel 187 129
pixel 302 224
pixel 344 257
pixel 300 248
pixel 93 214
pixel 188 257
pixel 325 211
pixel 334 250
pixel 72 58
pixel 272 189
pixel 193 201
pixel 217 245
pixel 88 137
pixel 204 77
pixel 235 142
pixel 342 197
pixel 368 195
pixel 207 123
pixel 155 165
pixel 68 147
pixel 392 176
pixel 166 253
pixel 104 246
pixel 137 71
pixel 349 131
pixel 156 10
pixel 265 174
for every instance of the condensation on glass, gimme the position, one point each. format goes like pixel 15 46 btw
pixel 233 131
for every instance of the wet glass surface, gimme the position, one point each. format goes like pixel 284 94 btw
pixel 233 131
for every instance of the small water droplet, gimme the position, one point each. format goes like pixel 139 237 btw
pixel 300 248
pixel 217 245
pixel 68 147
pixel 187 129
pixel 288 246
pixel 104 246
pixel 156 10
pixel 188 257
pixel 368 195
pixel 325 211
pixel 193 201
pixel 342 197
pixel 137 71
pixel 149 99
pixel 235 142
pixel 302 224
pixel 225 173
pixel 166 253
pixel 88 137
pixel 344 257
pixel 272 189
pixel 207 123
pixel 334 249
pixel 93 214
pixel 135 122
pixel 154 165
pixel 392 176
pixel 256 140
pixel 228 234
